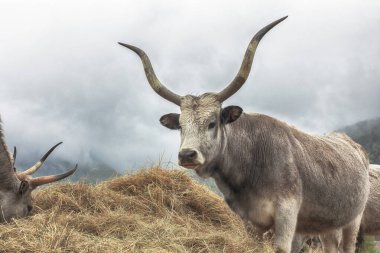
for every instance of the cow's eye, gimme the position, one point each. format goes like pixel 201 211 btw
pixel 211 125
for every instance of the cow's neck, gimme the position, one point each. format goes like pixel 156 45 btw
pixel 242 157
pixel 242 173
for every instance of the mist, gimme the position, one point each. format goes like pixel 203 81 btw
pixel 63 77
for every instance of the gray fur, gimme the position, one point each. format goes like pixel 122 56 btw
pixel 12 204
pixel 371 216
pixel 370 223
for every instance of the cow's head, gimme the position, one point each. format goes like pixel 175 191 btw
pixel 202 119
pixel 201 123
pixel 16 188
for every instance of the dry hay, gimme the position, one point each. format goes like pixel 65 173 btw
pixel 154 210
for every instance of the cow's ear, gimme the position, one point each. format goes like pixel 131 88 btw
pixel 24 187
pixel 230 114
pixel 170 121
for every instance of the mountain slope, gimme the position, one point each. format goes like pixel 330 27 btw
pixel 367 133
pixel 89 173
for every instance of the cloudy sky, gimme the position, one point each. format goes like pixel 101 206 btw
pixel 64 78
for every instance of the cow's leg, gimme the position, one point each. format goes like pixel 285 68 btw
pixel 349 235
pixel 298 243
pixel 331 241
pixel 285 225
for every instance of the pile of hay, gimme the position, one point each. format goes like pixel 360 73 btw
pixel 154 210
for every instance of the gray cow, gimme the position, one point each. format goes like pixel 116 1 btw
pixel 371 216
pixel 370 224
pixel 270 173
pixel 16 188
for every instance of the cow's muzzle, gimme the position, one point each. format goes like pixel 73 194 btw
pixel 188 158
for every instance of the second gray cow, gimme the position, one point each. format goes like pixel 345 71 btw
pixel 270 173
pixel 370 224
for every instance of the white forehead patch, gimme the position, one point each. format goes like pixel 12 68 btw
pixel 198 110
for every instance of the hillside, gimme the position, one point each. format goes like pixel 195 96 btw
pixel 154 210
pixel 89 173
pixel 367 133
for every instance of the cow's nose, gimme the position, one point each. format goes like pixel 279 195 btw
pixel 187 155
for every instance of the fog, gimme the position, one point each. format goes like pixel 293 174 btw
pixel 63 77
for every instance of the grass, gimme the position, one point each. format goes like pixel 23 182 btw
pixel 154 210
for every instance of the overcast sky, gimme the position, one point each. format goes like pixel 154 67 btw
pixel 63 77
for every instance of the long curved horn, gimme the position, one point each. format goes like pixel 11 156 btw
pixel 38 165
pixel 246 65
pixel 34 182
pixel 156 85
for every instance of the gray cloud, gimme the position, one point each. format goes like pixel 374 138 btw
pixel 63 77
